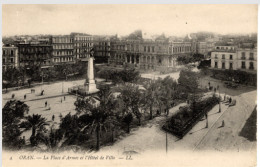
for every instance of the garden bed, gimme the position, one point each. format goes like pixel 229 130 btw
pixel 188 116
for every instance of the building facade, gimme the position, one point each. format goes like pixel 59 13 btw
pixel 158 54
pixel 233 58
pixel 35 54
pixel 10 57
pixel 247 59
pixel 202 48
pixel 102 49
pixel 63 50
pixel 82 45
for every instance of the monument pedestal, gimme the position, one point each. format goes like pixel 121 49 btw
pixel 91 86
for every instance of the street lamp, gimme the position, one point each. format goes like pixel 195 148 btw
pixel 42 81
pixel 207 123
pixel 166 143
pixel 219 100
pixel 64 71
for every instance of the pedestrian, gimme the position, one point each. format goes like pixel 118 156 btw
pixel 53 117
pixel 223 123
pixel 209 84
pixel 225 97
pixel 64 98
pixel 61 100
pixel 23 139
pixel 230 100
pixel 13 96
pixel 24 96
pixel 46 103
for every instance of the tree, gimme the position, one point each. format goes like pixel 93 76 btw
pixel 13 77
pixel 106 74
pixel 11 137
pixel 37 124
pixel 167 89
pixel 189 80
pixel 150 95
pixel 131 97
pixel 125 75
pixel 12 113
pixel 98 117
pixel 71 129
pixel 53 139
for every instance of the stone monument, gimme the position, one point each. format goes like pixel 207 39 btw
pixel 91 86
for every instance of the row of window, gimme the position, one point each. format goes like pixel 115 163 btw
pixel 179 49
pixel 11 60
pixel 224 56
pixel 83 44
pixel 83 38
pixel 26 57
pixel 251 56
pixel 63 46
pixel 243 65
pixel 83 50
pixel 8 52
pixel 59 53
pixel 118 47
pixel 63 59
pixel 148 48
pixel 225 47
pixel 62 40
pixel 35 49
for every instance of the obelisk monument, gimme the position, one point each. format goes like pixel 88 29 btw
pixel 91 86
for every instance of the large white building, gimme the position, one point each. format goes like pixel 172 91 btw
pixel 233 58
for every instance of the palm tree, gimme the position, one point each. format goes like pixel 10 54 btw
pixel 100 117
pixel 54 139
pixel 99 122
pixel 37 124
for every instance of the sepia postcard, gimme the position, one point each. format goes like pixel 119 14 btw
pixel 129 85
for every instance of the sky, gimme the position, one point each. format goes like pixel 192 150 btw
pixel 104 19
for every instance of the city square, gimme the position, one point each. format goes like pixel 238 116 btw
pixel 133 93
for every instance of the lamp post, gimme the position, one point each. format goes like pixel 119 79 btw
pixel 42 81
pixel 219 100
pixel 63 81
pixel 207 122
pixel 166 143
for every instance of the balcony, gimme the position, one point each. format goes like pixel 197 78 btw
pixel 243 58
pixel 251 58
